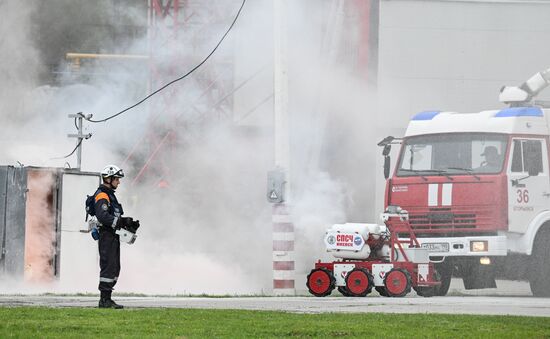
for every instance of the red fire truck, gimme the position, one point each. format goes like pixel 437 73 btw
pixel 477 189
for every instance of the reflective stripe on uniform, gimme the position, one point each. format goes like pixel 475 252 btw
pixel 114 222
pixel 109 280
pixel 102 195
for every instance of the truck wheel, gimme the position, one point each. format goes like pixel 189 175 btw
pixel 539 279
pixel 445 271
pixel 425 291
pixel 397 282
pixel 359 282
pixel 344 291
pixel 320 282
pixel 429 291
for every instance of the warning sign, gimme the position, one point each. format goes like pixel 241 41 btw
pixel 276 186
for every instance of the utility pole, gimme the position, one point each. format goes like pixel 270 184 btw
pixel 279 180
pixel 80 136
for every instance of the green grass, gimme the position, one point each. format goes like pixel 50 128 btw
pixel 33 322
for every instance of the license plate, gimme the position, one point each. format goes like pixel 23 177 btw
pixel 436 247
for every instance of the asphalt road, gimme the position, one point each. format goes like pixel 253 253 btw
pixel 511 298
pixel 495 305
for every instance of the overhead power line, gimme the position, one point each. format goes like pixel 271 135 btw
pixel 178 79
pixel 72 152
pixel 88 118
pixel 81 136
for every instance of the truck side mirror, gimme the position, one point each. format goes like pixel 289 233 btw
pixel 387 161
pixel 386 150
pixel 386 166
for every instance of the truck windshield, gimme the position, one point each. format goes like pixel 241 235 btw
pixel 452 154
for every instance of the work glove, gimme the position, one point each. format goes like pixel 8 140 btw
pixel 133 226
pixel 124 222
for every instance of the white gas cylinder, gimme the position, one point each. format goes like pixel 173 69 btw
pixel 349 241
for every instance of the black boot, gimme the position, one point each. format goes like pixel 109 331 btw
pixel 115 305
pixel 106 302
pixel 109 303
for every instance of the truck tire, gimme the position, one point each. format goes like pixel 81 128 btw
pixel 429 291
pixel 445 271
pixel 539 279
pixel 425 291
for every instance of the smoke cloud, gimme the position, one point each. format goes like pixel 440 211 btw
pixel 199 154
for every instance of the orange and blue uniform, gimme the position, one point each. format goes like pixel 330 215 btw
pixel 108 212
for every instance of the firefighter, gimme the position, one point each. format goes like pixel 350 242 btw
pixel 109 214
pixel 492 161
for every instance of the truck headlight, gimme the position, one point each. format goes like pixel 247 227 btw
pixel 485 261
pixel 479 246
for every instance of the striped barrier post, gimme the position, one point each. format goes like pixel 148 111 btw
pixel 283 251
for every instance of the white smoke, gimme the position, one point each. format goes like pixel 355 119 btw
pixel 209 231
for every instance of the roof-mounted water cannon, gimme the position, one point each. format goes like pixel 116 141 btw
pixel 522 95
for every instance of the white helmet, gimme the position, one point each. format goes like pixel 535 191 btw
pixel 112 171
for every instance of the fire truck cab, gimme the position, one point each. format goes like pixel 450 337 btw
pixel 477 189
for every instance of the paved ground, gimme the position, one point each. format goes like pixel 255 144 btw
pixel 496 305
pixel 511 298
